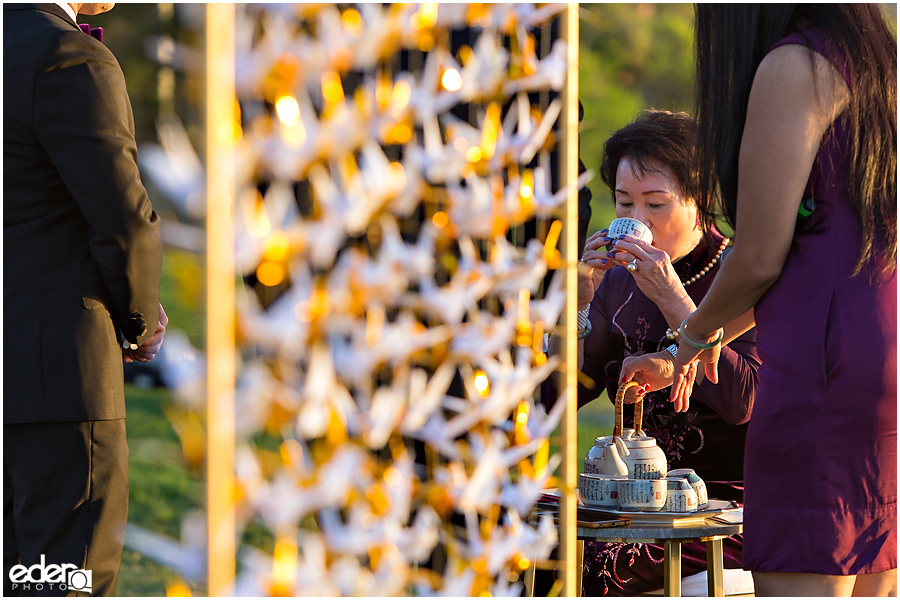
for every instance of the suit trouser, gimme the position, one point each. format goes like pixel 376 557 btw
pixel 65 501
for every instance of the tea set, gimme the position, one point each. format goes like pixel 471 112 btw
pixel 628 471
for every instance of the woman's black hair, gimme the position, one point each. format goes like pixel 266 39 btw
pixel 662 137
pixel 730 42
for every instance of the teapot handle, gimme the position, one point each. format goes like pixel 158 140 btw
pixel 620 404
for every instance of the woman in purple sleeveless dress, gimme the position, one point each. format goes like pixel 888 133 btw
pixel 797 108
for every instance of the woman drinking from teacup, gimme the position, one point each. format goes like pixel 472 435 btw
pixel 630 292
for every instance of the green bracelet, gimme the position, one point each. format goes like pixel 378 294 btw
pixel 583 333
pixel 683 336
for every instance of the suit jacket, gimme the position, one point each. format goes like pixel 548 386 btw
pixel 81 246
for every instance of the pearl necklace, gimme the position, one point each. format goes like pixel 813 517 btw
pixel 712 263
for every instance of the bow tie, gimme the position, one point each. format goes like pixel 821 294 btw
pixel 96 32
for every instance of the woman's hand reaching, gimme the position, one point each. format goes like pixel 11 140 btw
pixel 689 354
pixel 656 371
pixel 685 371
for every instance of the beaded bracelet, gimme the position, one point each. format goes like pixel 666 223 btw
pixel 683 336
pixel 583 317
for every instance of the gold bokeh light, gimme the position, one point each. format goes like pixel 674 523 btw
pixel 276 246
pixel 400 98
pixel 284 567
pixel 481 383
pixel 474 154
pixel 332 90
pixel 270 274
pixel 351 20
pixel 288 110
pixel 440 219
pixel 451 80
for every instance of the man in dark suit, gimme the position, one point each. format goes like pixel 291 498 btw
pixel 81 272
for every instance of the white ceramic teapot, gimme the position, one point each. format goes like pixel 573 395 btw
pixel 640 454
pixel 645 460
pixel 594 462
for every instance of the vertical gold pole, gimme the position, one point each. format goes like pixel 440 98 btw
pixel 220 276
pixel 569 444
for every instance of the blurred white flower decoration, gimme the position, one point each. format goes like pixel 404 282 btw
pixel 394 359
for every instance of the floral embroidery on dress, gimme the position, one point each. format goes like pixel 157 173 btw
pixel 604 557
pixel 675 433
pixel 615 322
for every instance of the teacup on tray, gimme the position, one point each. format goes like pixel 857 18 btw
pixel 680 496
pixel 600 490
pixel 698 484
pixel 647 495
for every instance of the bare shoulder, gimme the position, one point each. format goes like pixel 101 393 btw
pixel 795 71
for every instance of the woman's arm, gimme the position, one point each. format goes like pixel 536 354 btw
pixel 589 280
pixel 731 398
pixel 790 107
pixel 730 332
pixel 739 327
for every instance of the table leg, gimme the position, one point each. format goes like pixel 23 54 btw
pixel 579 552
pixel 715 568
pixel 672 568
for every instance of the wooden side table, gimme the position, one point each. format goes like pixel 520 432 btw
pixel 710 531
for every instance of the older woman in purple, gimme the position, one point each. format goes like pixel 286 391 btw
pixel 625 312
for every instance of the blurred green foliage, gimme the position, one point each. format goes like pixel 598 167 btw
pixel 632 57
pixel 182 293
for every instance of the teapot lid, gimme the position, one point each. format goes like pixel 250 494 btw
pixel 640 441
pixel 602 440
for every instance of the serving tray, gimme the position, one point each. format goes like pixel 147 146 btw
pixel 550 498
pixel 675 519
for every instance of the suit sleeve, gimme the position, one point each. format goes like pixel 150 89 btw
pixel 83 119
